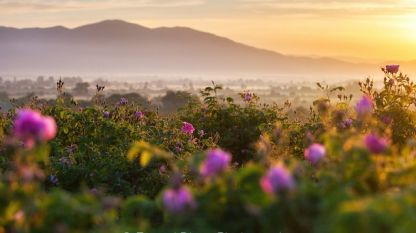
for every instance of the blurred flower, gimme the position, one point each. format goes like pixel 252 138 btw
pixel 53 179
pixel 71 149
pixel 348 122
pixel 139 115
pixel 188 128
pixel 65 161
pixel 278 179
pixel 216 162
pixel 30 126
pixel 392 69
pixel 162 169
pixel 49 128
pixel 391 82
pixel 123 101
pixel 19 215
pixel 106 114
pixel 201 133
pixel 177 201
pixel 248 96
pixel 375 144
pixel 364 105
pixel 178 149
pixel 386 120
pixel 314 153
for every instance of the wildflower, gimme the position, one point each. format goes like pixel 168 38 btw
pixel 314 153
pixel 386 120
pixel 188 128
pixel 30 127
pixel 123 101
pixel 162 169
pixel 248 96
pixel 348 122
pixel 278 179
pixel 177 201
pixel 216 162
pixel 392 69
pixel 364 105
pixel 139 115
pixel 376 144
pixel 106 114
pixel 201 133
pixel 53 179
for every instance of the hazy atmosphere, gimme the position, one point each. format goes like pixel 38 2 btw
pixel 377 30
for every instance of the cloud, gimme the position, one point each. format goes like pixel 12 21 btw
pixel 331 7
pixel 65 5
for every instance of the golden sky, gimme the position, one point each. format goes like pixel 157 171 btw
pixel 370 30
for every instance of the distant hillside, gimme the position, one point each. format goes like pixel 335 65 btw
pixel 116 46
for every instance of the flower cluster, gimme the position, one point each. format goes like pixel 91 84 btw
pixel 188 128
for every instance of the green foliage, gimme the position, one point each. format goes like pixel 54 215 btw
pixel 110 173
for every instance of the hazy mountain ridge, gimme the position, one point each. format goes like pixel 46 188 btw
pixel 115 46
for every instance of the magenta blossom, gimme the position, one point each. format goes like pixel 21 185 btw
pixel 188 128
pixel 248 96
pixel 30 127
pixel 392 69
pixel 162 169
pixel 348 122
pixel 139 115
pixel 216 162
pixel 376 144
pixel 106 114
pixel 365 105
pixel 386 120
pixel 314 153
pixel 277 179
pixel 177 201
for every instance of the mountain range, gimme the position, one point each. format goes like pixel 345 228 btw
pixel 119 47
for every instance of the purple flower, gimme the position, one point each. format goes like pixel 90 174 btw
pixel 123 101
pixel 348 122
pixel 30 127
pixel 216 162
pixel 364 105
pixel 162 169
pixel 139 115
pixel 314 153
pixel 177 201
pixel 376 144
pixel 53 179
pixel 188 128
pixel 248 96
pixel 386 120
pixel 278 179
pixel 392 69
pixel 106 114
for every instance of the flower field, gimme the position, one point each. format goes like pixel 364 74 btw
pixel 214 165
